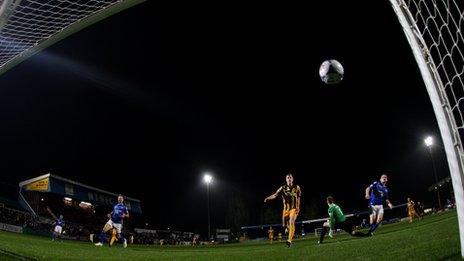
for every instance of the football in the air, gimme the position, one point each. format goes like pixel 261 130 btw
pixel 331 72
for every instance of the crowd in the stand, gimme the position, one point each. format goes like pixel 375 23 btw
pixel 15 217
pixel 26 220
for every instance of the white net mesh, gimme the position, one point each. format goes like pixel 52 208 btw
pixel 433 29
pixel 440 23
pixel 25 24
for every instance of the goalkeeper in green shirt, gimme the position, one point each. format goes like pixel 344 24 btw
pixel 337 220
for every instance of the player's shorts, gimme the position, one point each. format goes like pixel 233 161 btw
pixel 58 229
pixel 376 210
pixel 117 226
pixel 411 213
pixel 289 213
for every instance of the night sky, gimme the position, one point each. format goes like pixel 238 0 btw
pixel 144 102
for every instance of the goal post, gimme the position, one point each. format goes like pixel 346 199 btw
pixel 432 28
pixel 29 26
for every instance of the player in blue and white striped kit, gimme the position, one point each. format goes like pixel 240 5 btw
pixel 115 223
pixel 377 193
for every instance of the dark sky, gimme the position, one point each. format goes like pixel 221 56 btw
pixel 144 102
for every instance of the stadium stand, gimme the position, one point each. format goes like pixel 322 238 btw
pixel 83 207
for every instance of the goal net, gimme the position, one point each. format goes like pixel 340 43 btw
pixel 28 26
pixel 433 29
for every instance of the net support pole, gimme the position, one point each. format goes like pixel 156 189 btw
pixel 443 113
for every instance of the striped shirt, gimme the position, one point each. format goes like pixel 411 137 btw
pixel 290 195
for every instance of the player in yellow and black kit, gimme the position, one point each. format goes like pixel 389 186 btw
pixel 270 234
pixel 291 195
pixel 411 210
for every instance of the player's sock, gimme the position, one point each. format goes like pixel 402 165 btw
pixel 102 237
pixel 291 232
pixel 323 232
pixel 123 241
pixel 53 236
pixel 373 227
pixel 113 239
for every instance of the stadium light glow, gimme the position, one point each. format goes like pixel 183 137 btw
pixel 428 141
pixel 207 178
pixel 67 199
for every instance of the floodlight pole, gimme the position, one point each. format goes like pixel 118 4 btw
pixel 207 178
pixel 209 222
pixel 436 178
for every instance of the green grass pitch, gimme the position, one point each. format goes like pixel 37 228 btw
pixel 433 238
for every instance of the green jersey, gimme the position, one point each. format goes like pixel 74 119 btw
pixel 335 215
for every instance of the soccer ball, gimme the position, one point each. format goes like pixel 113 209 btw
pixel 331 71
